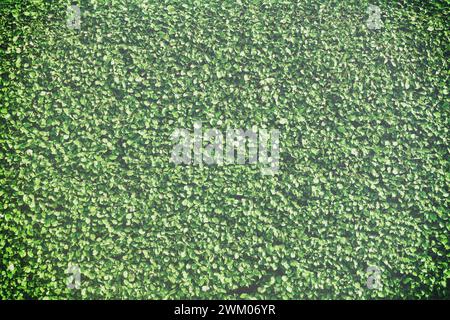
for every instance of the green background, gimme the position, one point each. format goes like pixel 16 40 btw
pixel 85 123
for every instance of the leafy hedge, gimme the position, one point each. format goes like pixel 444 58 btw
pixel 86 118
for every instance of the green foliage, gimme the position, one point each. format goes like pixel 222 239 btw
pixel 85 122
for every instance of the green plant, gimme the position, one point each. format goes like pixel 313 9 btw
pixel 85 121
